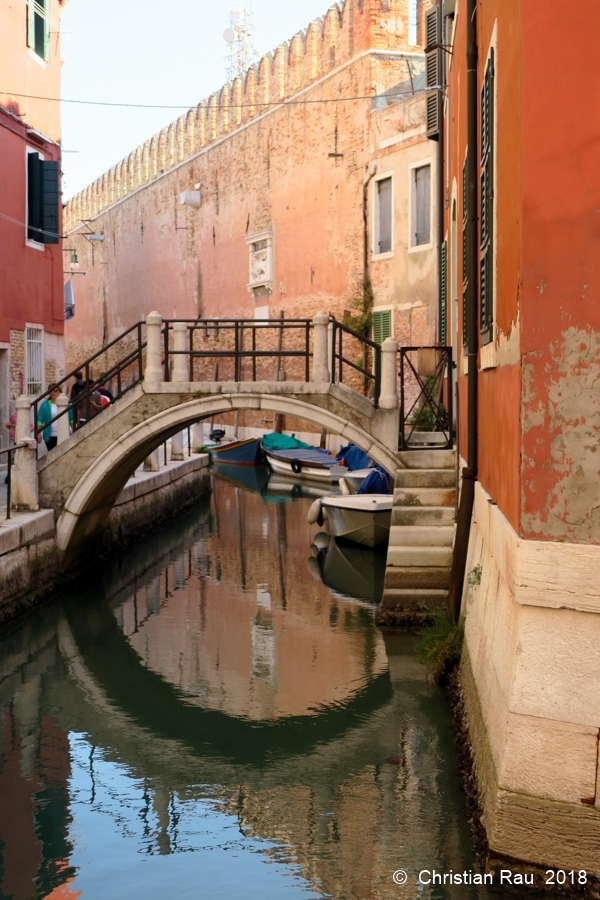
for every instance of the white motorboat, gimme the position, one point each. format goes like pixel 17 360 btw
pixel 361 518
pixel 353 480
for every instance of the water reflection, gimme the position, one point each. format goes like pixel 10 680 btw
pixel 208 720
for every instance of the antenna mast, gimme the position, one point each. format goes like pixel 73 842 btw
pixel 240 37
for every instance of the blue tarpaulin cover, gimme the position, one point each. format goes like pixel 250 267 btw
pixel 376 482
pixel 354 458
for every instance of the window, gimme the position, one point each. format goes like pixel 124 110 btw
pixel 34 359
pixel 42 199
pixel 486 198
pixel 38 32
pixel 421 206
pixel 383 215
pixel 260 249
pixel 382 325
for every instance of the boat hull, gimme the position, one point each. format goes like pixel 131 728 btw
pixel 239 453
pixel 361 525
pixel 328 474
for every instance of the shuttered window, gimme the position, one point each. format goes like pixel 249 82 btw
pixel 486 206
pixel 421 206
pixel 444 293
pixel 38 31
pixel 382 325
pixel 383 235
pixel 465 268
pixel 42 199
pixel 34 360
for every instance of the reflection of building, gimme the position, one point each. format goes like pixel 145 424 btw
pixel 34 774
pixel 235 634
pixel 31 265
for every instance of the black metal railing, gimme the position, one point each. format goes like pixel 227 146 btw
pixel 367 353
pixel 10 451
pixel 239 340
pixel 122 374
pixel 426 398
pixel 251 346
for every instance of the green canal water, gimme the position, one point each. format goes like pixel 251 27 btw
pixel 216 715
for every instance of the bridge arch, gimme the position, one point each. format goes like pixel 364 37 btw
pixel 94 481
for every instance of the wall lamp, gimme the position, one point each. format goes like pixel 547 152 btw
pixel 74 259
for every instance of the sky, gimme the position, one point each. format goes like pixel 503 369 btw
pixel 171 53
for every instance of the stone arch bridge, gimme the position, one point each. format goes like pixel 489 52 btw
pixel 82 477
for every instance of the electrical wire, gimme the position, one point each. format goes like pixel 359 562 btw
pixel 24 225
pixel 271 103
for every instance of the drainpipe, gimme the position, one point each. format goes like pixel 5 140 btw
pixel 372 172
pixel 467 495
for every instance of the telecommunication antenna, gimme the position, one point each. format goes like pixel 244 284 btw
pixel 240 37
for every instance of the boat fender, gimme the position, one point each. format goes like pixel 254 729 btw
pixel 343 486
pixel 296 466
pixel 315 514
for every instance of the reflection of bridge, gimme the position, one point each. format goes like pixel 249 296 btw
pixel 163 386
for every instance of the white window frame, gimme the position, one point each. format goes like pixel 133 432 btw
pixel 35 245
pixel 420 164
pixel 42 381
pixel 375 235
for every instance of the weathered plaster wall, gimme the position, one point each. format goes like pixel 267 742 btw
pixel 561 278
pixel 500 378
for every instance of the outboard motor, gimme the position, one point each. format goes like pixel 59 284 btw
pixel 217 435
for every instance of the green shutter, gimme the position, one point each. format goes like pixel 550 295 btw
pixel 30 24
pixel 486 206
pixel 444 293
pixel 49 181
pixel 382 325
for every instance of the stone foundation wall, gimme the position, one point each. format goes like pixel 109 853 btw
pixel 530 678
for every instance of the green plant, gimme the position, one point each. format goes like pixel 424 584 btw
pixel 474 576
pixel 360 318
pixel 441 644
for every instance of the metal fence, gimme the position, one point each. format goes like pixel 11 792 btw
pixel 426 416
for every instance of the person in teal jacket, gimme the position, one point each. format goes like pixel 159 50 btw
pixel 46 412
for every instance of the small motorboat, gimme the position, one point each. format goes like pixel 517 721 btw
pixel 312 465
pixel 237 453
pixel 360 518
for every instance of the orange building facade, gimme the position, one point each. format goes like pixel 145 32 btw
pixel 31 279
pixel 281 166
pixel 532 607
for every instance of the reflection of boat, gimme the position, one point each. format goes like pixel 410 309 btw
pixel 350 570
pixel 239 453
pixel 306 464
pixel 362 518
pixel 250 478
pixel 290 487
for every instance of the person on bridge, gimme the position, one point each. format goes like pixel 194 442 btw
pixel 46 413
pixel 77 389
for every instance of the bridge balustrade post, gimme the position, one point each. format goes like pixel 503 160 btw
pixel 181 370
pixel 177 446
pixel 24 487
pixel 197 435
pixel 62 425
pixel 154 370
pixel 152 463
pixel 320 363
pixel 388 398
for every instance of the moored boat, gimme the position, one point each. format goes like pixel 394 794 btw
pixel 361 518
pixel 312 465
pixel 237 453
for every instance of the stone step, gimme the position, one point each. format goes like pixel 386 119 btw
pixel 424 496
pixel 412 478
pixel 419 556
pixel 404 577
pixel 423 515
pixel 421 536
pixel 428 459
pixel 412 598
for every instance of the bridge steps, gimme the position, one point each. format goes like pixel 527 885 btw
pixel 419 558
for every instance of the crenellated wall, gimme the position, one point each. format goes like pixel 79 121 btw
pixel 346 30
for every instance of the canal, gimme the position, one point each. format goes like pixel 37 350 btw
pixel 216 715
